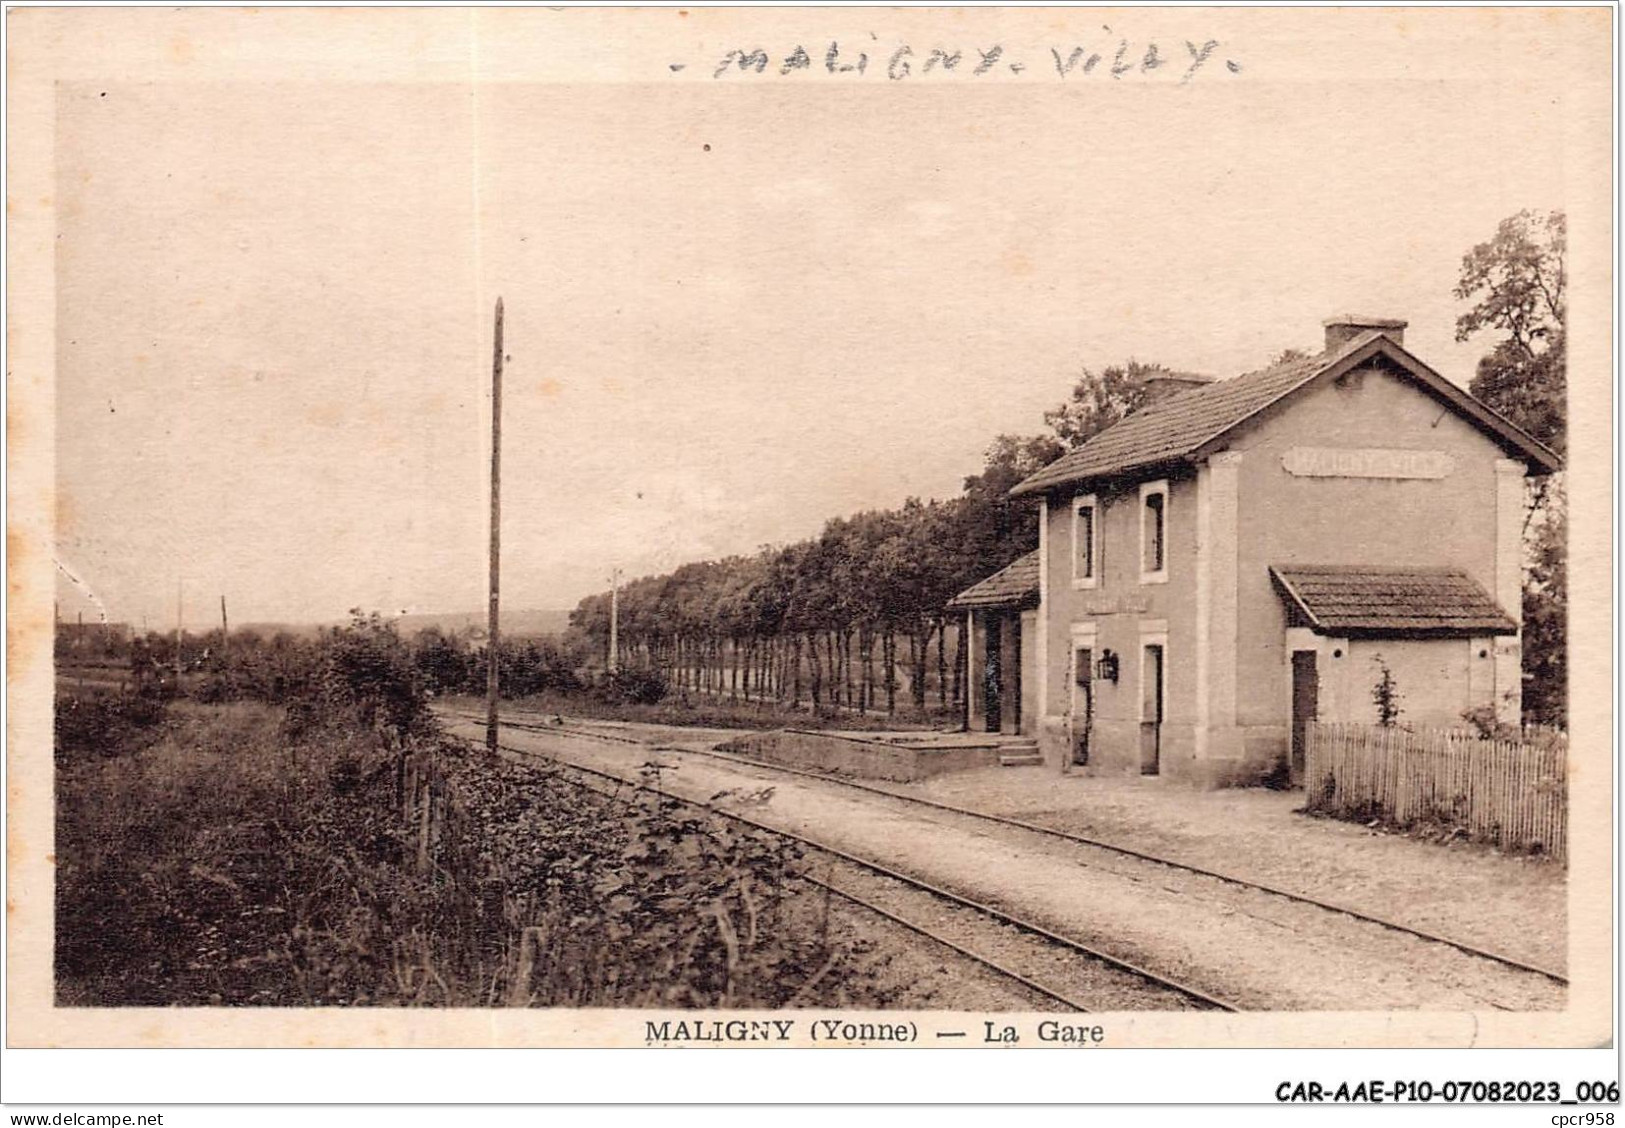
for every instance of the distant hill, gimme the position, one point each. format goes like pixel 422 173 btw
pixel 515 624
pixel 267 630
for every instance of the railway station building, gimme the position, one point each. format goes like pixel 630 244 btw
pixel 1240 557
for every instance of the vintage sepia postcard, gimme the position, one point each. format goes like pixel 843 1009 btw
pixel 856 527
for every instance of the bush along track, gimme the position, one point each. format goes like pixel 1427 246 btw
pixel 215 867
pixel 574 898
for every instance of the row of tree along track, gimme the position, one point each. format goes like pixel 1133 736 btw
pixel 1097 847
pixel 1042 961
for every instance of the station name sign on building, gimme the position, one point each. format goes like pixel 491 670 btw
pixel 1370 462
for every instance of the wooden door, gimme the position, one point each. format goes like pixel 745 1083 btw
pixel 1151 712
pixel 993 674
pixel 1083 702
pixel 1305 706
pixel 1011 690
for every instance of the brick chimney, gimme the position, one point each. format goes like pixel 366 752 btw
pixel 1162 383
pixel 1342 329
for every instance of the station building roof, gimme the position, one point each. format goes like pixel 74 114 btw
pixel 1015 586
pixel 1188 425
pixel 1358 600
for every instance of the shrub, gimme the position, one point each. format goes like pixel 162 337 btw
pixel 1482 720
pixel 1385 694
pixel 365 674
pixel 632 686
pixel 106 726
pixel 531 667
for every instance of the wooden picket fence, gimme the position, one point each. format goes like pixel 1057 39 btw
pixel 1509 792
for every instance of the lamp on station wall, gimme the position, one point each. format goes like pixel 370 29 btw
pixel 1106 666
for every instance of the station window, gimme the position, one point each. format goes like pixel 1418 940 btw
pixel 1154 532
pixel 1085 542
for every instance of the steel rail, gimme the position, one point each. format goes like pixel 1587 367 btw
pixel 1031 984
pixel 1052 832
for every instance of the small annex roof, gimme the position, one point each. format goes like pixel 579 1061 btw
pixel 1358 600
pixel 1187 425
pixel 1014 585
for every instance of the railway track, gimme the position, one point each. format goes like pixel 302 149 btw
pixel 1051 832
pixel 1040 960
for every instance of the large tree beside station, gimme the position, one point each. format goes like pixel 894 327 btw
pixel 1517 282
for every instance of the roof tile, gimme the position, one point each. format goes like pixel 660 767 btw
pixel 1015 584
pixel 1174 427
pixel 1370 599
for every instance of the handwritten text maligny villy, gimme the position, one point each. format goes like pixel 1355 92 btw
pixel 1117 59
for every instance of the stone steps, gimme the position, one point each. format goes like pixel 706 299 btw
pixel 1019 755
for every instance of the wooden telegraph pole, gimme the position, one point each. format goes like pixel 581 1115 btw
pixel 225 645
pixel 178 604
pixel 614 619
pixel 493 630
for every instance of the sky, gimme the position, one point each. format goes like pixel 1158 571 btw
pixel 732 311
